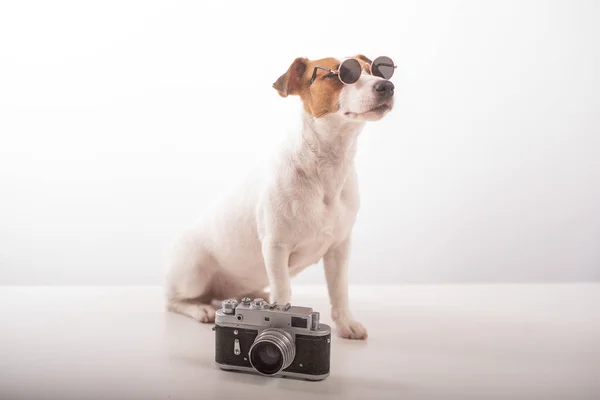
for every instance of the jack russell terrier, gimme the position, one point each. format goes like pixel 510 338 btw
pixel 296 210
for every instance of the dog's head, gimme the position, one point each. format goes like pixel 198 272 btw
pixel 322 92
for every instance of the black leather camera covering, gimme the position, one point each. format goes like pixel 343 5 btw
pixel 313 352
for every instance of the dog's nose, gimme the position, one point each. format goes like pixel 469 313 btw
pixel 384 88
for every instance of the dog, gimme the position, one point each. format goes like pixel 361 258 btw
pixel 295 210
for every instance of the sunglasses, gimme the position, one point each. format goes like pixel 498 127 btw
pixel 350 70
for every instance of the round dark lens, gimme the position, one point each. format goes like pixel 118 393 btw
pixel 350 71
pixel 383 67
pixel 267 358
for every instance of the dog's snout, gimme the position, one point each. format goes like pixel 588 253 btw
pixel 384 88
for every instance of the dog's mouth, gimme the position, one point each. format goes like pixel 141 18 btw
pixel 378 111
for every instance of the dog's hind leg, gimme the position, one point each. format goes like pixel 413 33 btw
pixel 194 309
pixel 189 279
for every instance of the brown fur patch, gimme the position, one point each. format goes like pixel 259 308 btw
pixel 364 58
pixel 291 82
pixel 365 62
pixel 322 96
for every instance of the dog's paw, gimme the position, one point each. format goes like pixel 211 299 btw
pixel 205 313
pixel 350 329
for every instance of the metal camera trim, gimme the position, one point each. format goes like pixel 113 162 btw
pixel 253 313
pixel 295 375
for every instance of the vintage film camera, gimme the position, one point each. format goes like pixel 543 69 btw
pixel 272 340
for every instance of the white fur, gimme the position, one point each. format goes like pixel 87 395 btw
pixel 296 210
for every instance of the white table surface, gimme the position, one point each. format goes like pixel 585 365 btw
pixel 425 342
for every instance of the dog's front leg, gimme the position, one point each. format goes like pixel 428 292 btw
pixel 276 257
pixel 335 262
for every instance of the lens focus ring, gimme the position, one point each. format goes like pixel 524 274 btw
pixel 279 338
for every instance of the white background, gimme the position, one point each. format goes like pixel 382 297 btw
pixel 121 120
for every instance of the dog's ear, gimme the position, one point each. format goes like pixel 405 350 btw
pixel 364 58
pixel 291 82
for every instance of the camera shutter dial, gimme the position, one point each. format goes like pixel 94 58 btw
pixel 229 306
pixel 258 303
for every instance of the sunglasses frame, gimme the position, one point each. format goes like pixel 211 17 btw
pixel 337 71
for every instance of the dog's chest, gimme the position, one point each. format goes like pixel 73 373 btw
pixel 326 221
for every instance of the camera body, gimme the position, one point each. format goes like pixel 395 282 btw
pixel 272 340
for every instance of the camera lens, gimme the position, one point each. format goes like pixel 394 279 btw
pixel 272 351
pixel 267 358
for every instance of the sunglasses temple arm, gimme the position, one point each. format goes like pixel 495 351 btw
pixel 314 75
